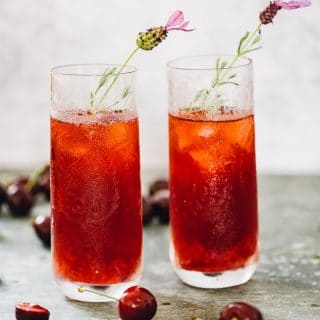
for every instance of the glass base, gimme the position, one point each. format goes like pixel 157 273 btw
pixel 70 290
pixel 216 280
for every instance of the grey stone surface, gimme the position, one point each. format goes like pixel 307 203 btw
pixel 285 286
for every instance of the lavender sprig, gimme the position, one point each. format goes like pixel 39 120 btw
pixel 223 71
pixel 247 44
pixel 146 41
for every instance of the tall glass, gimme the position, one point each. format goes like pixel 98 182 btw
pixel 213 188
pixel 95 183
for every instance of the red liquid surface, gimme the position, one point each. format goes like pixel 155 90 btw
pixel 96 197
pixel 213 191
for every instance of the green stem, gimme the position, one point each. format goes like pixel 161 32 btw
pixel 97 293
pixel 253 34
pixel 235 59
pixel 118 73
pixel 237 56
pixel 222 76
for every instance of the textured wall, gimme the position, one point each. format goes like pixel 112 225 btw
pixel 38 34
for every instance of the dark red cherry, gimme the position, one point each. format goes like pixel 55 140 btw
pixel 21 180
pixel 160 205
pixel 42 227
pixel 28 311
pixel 146 211
pixel 42 183
pixel 240 311
pixel 159 184
pixel 19 199
pixel 137 303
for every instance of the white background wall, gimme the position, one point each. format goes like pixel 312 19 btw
pixel 38 34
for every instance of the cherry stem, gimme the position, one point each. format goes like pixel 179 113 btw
pixel 34 177
pixel 80 289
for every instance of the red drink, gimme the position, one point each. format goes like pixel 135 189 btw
pixel 213 192
pixel 96 197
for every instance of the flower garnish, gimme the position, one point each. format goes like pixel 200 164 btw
pixel 146 41
pixel 248 43
pixel 267 15
pixel 292 4
pixel 154 36
pixel 176 22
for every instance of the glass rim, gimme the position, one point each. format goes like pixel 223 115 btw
pixel 246 61
pixel 61 70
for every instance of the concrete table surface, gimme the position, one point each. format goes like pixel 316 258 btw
pixel 285 286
